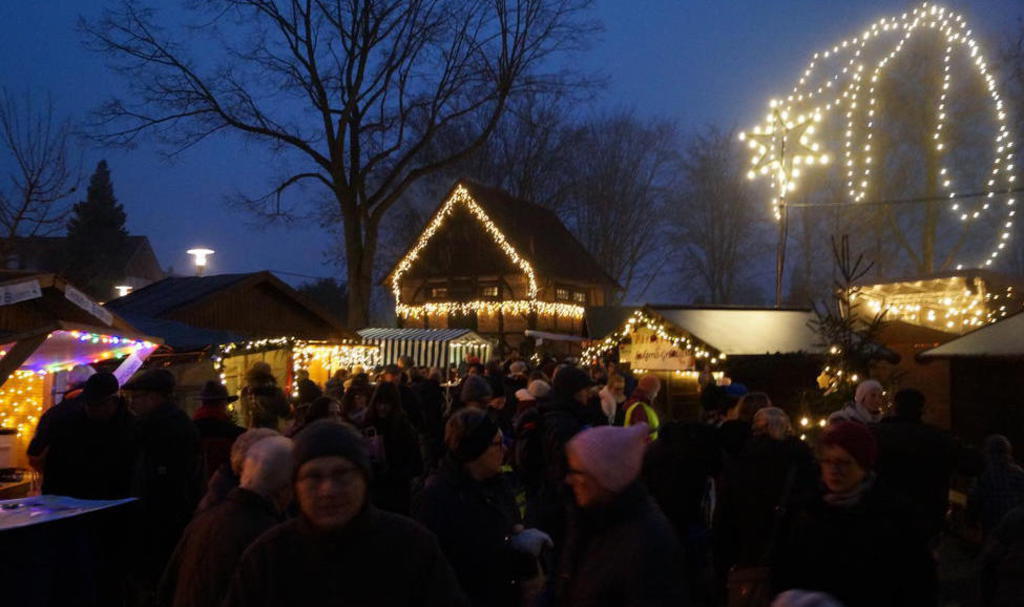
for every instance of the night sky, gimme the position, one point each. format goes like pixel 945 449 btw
pixel 696 61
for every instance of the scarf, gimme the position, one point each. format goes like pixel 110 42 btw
pixel 851 498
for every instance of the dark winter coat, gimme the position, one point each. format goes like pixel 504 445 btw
pixel 1002 563
pixel 918 460
pixel 733 436
pixel 88 458
pixel 473 521
pixel 560 421
pixel 412 406
pixel 201 567
pixel 677 470
pixel 377 559
pixel 865 555
pixel 622 554
pixel 391 483
pixel 168 480
pixel 216 436
pixel 431 399
pixel 223 481
pixel 750 490
pixel 998 490
pixel 51 419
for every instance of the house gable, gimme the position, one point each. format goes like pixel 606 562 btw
pixel 459 200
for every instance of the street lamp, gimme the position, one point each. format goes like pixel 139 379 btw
pixel 199 256
pixel 123 290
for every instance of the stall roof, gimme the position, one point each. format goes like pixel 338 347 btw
pixel 745 331
pixel 459 335
pixel 1002 338
pixel 180 336
pixel 604 320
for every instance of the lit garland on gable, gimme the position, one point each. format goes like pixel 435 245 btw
pixel 523 306
pixel 782 145
pixel 641 318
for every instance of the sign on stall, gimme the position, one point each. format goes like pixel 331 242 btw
pixel 83 301
pixel 20 291
pixel 648 351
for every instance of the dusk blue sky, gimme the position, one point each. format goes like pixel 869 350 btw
pixel 695 61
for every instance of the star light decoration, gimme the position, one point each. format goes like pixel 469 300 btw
pixel 849 93
pixel 781 147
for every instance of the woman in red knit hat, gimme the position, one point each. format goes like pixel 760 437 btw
pixel 855 541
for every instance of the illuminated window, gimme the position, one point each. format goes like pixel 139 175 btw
pixel 489 291
pixel 438 292
pixel 562 294
pixel 579 297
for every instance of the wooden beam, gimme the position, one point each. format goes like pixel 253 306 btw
pixel 17 356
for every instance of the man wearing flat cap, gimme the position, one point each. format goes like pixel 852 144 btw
pixel 341 550
pixel 168 477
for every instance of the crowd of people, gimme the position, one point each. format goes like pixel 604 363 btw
pixel 551 484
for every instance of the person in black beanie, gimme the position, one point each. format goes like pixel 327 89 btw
pixel 341 550
pixel 471 507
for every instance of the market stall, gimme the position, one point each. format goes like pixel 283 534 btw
pixel 287 356
pixel 687 346
pixel 47 326
pixel 441 348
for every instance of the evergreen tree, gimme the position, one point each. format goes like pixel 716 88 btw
pixel 97 241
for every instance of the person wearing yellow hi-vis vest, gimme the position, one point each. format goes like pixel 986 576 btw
pixel 638 408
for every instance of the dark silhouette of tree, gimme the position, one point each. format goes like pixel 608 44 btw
pixel 355 93
pixel 38 147
pixel 97 241
pixel 714 221
pixel 330 294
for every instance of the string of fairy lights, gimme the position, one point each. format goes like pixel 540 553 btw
pixel 331 355
pixel 461 196
pixel 783 148
pixel 661 329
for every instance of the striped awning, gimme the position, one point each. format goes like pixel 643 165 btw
pixel 427 347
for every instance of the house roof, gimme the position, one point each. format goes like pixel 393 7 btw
pixel 166 296
pixel 537 234
pixel 44 254
pixel 745 331
pixel 602 321
pixel 180 336
pixel 434 335
pixel 1002 338
pixel 171 293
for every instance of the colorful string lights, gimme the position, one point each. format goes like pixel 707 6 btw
pixel 782 148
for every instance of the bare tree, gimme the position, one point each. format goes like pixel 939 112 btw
pixel 355 91
pixel 41 175
pixel 1012 68
pixel 623 171
pixel 715 221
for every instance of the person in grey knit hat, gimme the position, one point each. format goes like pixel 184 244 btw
pixel 341 547
pixel 476 392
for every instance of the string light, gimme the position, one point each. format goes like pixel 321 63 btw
pixel 330 355
pixel 956 304
pixel 662 330
pixel 782 147
pixel 21 404
pixel 531 304
pixel 516 307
